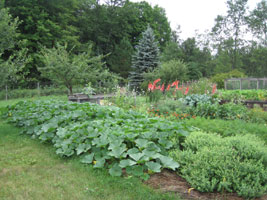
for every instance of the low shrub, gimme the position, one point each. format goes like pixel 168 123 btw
pixel 234 164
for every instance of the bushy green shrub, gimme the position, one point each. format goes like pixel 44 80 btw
pixel 219 78
pixel 168 72
pixel 233 164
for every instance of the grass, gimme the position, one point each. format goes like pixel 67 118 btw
pixel 5 103
pixel 32 170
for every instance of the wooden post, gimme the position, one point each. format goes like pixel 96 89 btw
pixel 6 93
pixel 38 89
pixel 240 84
pixel 225 86
pixel 257 84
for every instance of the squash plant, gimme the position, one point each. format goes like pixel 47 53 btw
pixel 107 137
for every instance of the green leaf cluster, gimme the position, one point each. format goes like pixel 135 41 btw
pixel 104 136
pixel 233 164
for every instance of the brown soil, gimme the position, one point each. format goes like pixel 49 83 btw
pixel 168 181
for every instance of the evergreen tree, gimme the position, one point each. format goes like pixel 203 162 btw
pixel 145 59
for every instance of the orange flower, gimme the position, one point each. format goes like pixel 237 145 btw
pixel 162 88
pixel 214 89
pixel 187 90
pixel 150 86
pixel 168 88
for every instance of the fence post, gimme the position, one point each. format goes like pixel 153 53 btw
pixel 258 84
pixel 240 84
pixel 38 89
pixel 225 86
pixel 6 93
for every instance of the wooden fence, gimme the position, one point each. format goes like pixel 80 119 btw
pixel 245 83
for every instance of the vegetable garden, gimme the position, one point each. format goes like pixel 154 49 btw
pixel 172 128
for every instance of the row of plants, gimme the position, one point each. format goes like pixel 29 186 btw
pixel 205 106
pixel 227 128
pixel 241 95
pixel 105 136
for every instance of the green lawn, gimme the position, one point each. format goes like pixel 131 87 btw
pixel 31 170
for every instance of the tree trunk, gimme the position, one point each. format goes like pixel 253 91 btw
pixel 70 89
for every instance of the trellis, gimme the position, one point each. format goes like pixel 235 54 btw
pixel 245 83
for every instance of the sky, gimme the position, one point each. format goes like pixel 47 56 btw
pixel 194 15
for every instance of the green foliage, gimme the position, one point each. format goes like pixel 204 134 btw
pixel 229 127
pixel 120 59
pixel 106 136
pixel 195 99
pixel 88 90
pixel 168 106
pixel 123 98
pixel 172 51
pixel 233 164
pixel 8 30
pixel 257 21
pixel 228 111
pixel 146 57
pixel 202 86
pixel 238 95
pixel 44 23
pixel 171 71
pixel 257 115
pixel 219 78
pixel 12 70
pixel 66 69
pixel 40 168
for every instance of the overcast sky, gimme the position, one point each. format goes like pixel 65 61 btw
pixel 194 14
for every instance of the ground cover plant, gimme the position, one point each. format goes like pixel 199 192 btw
pixel 233 164
pixel 30 170
pixel 104 136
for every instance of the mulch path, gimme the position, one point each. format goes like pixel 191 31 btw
pixel 168 181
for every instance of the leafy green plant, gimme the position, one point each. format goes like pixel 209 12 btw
pixel 226 111
pixel 239 95
pixel 104 136
pixel 89 90
pixel 233 164
pixel 257 115
pixel 202 86
pixel 195 99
